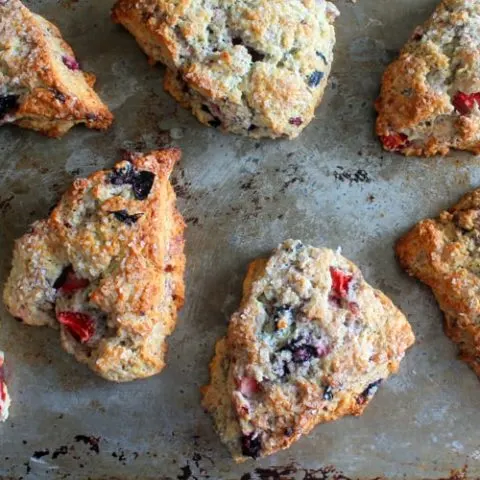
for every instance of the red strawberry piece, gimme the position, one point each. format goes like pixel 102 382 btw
pixel 80 325
pixel 69 282
pixel 464 102
pixel 340 282
pixel 354 308
pixel 395 142
pixel 248 386
pixel 3 392
pixel 297 121
pixel 323 350
pixel 70 62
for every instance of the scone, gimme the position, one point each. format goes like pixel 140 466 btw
pixel 444 253
pixel 106 268
pixel 430 96
pixel 257 68
pixel 4 397
pixel 312 342
pixel 41 84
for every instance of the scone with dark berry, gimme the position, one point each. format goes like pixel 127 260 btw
pixel 41 84
pixel 311 342
pixel 444 253
pixel 106 268
pixel 4 397
pixel 257 68
pixel 430 95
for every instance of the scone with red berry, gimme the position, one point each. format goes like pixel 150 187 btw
pixel 4 397
pixel 311 342
pixel 430 96
pixel 106 268
pixel 42 86
pixel 251 67
pixel 443 253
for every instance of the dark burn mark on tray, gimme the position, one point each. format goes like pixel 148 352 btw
pixel 63 450
pixel 93 442
pixel 126 218
pixel 41 453
pixel 141 181
pixel 8 103
pixel 351 176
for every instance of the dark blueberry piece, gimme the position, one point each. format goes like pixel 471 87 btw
pixel 7 103
pixel 121 176
pixel 70 62
pixel 142 184
pixel 91 117
pixel 237 41
pixel 124 217
pixel 322 56
pixel 215 123
pixel 255 54
pixel 251 445
pixel 252 127
pixel 59 96
pixel 328 393
pixel 297 121
pixel 304 353
pixel 315 78
pixel 62 278
pixel 288 432
pixel 372 388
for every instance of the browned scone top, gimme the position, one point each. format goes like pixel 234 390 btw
pixel 311 342
pixel 430 95
pixel 107 268
pixel 444 253
pixel 41 84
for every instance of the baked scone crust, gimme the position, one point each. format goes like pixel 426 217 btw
pixel 41 84
pixel 429 100
pixel 4 396
pixel 253 68
pixel 112 249
pixel 444 254
pixel 310 343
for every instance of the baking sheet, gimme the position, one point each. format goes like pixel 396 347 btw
pixel 332 186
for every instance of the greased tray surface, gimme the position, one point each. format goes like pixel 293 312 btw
pixel 333 186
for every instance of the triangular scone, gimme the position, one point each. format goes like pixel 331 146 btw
pixel 4 397
pixel 41 84
pixel 444 253
pixel 312 342
pixel 107 267
pixel 430 96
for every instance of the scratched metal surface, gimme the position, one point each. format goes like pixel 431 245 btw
pixel 333 186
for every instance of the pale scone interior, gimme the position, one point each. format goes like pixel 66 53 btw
pixel 311 342
pixel 107 268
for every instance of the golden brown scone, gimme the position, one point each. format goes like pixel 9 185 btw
pixel 107 268
pixel 4 396
pixel 430 95
pixel 41 84
pixel 311 342
pixel 444 254
pixel 256 68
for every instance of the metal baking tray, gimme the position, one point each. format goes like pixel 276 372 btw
pixel 333 186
